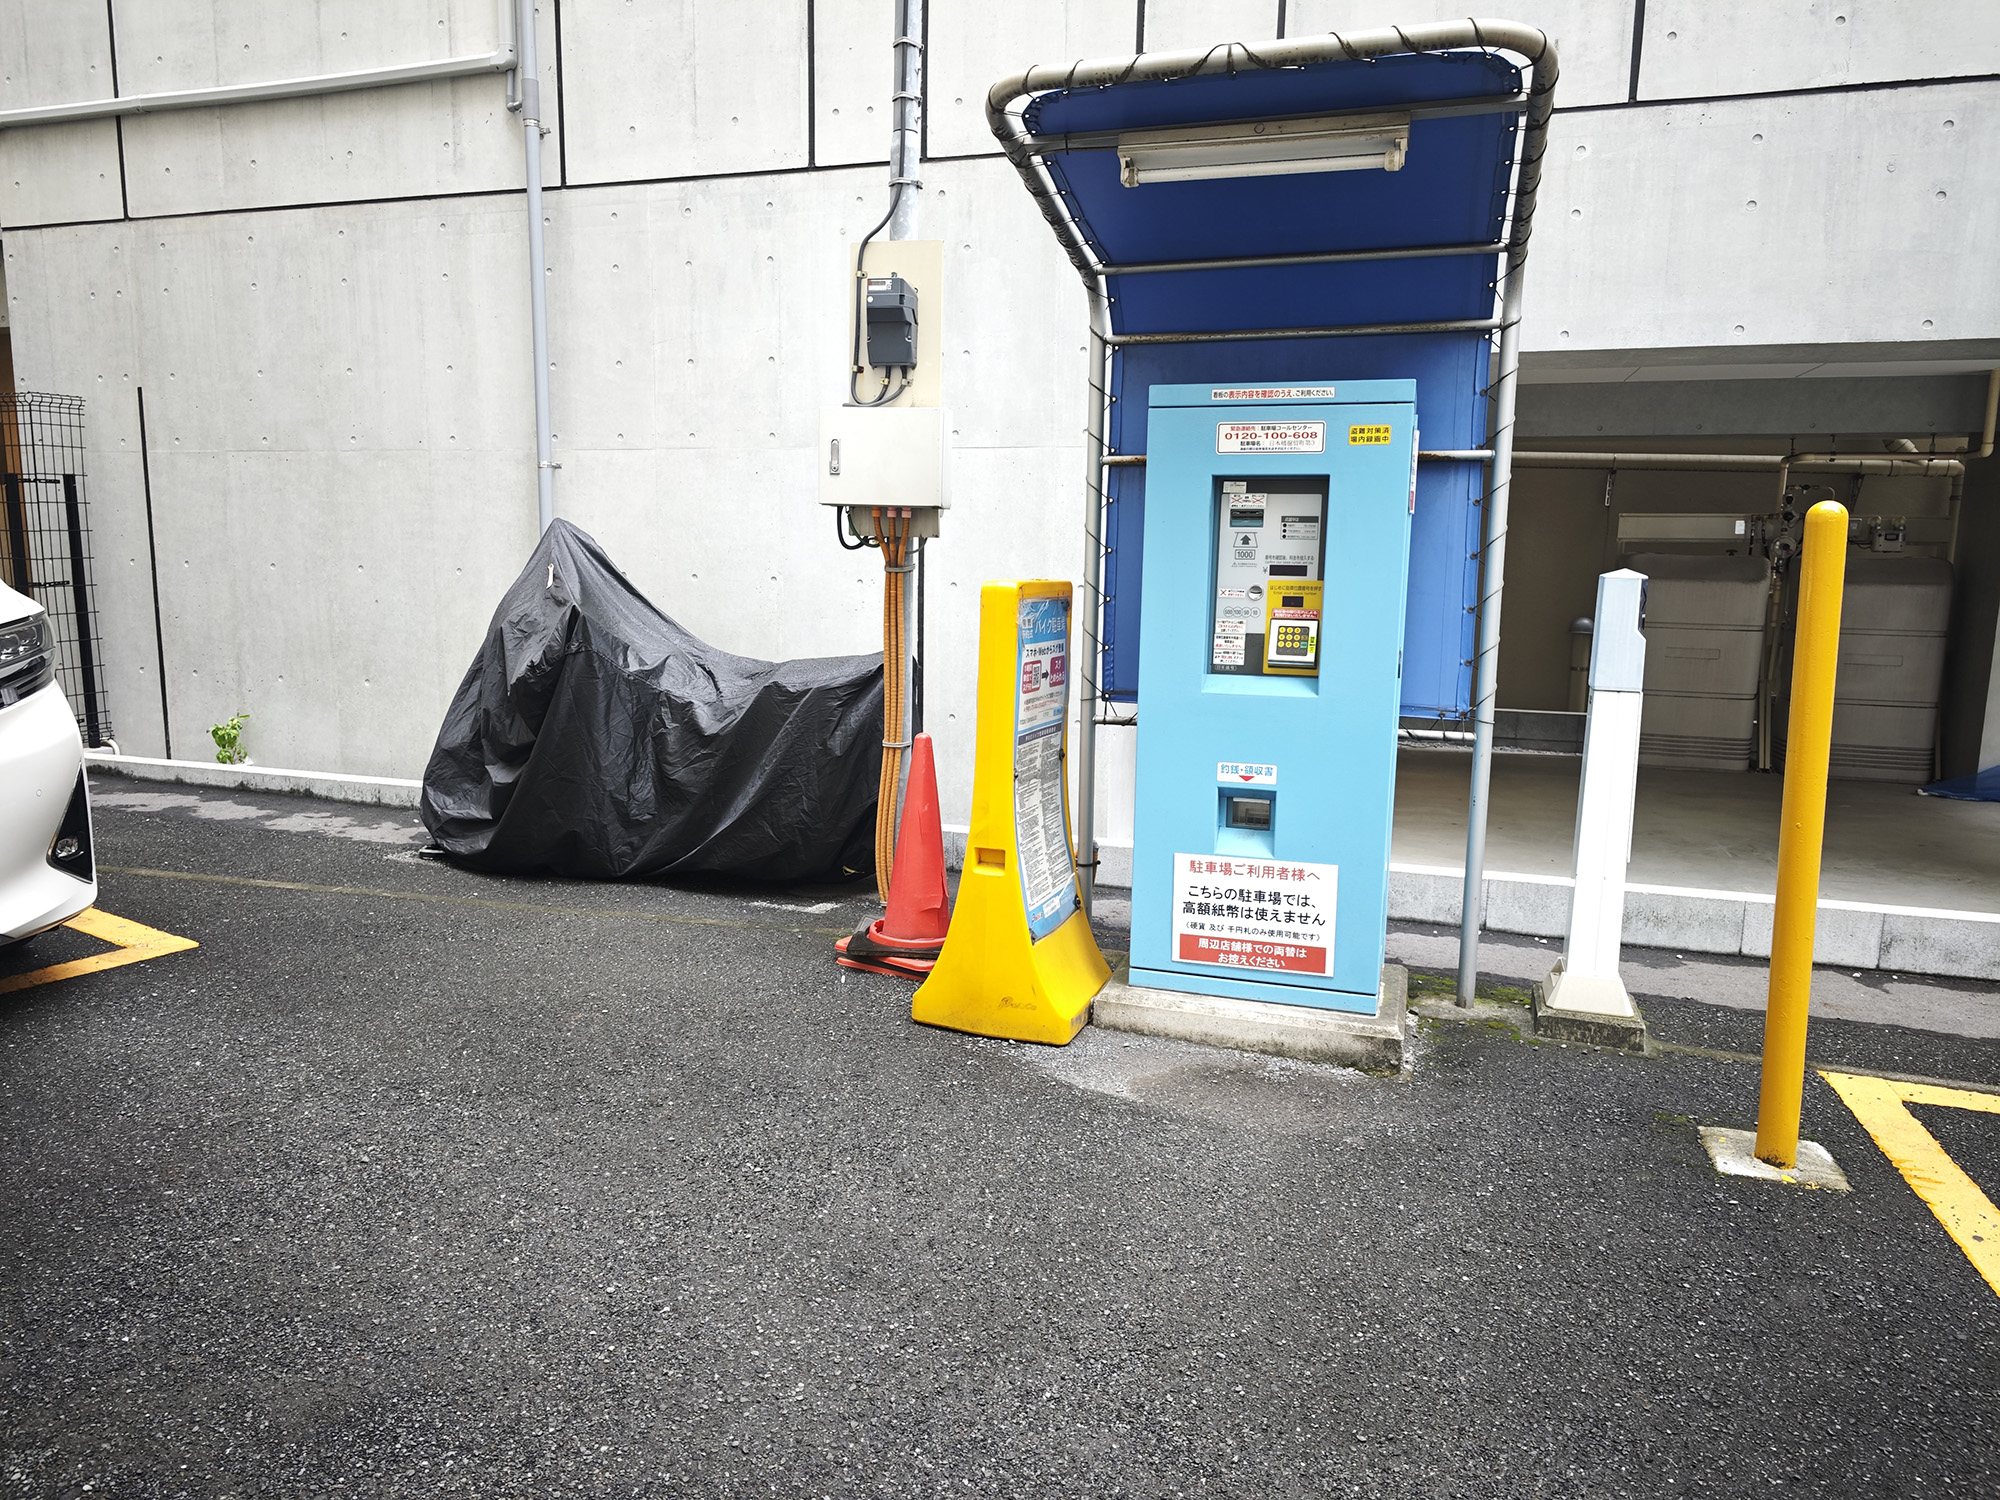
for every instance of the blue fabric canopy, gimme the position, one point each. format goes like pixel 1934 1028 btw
pixel 1451 191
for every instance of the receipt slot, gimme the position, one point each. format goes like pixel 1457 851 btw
pixel 1277 551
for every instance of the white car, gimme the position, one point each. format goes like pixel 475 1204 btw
pixel 48 868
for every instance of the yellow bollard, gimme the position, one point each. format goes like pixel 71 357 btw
pixel 1802 829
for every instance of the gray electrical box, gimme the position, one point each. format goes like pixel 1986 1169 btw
pixel 892 323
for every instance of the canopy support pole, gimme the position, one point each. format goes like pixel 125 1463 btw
pixel 1084 837
pixel 1486 669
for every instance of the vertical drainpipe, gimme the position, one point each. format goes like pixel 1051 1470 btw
pixel 1493 566
pixel 528 102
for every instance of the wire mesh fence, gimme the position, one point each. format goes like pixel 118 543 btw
pixel 45 541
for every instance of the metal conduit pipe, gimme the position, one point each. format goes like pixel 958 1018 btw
pixel 905 203
pixel 500 60
pixel 906 115
pixel 526 99
pixel 1424 456
pixel 1003 117
pixel 1746 463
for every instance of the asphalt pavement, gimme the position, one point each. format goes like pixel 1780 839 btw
pixel 410 1181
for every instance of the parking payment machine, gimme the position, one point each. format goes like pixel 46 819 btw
pixel 1276 561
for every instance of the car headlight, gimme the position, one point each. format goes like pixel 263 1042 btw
pixel 27 658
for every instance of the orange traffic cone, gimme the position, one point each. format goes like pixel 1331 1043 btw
pixel 907 940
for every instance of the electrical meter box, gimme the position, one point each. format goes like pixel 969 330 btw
pixel 884 455
pixel 1277 551
pixel 892 322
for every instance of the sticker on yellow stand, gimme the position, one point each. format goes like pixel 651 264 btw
pixel 1041 808
pixel 131 943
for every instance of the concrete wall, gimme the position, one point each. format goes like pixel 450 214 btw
pixel 324 303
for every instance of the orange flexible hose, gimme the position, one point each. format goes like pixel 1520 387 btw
pixel 895 547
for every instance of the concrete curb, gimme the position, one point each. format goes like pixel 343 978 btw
pixel 1849 934
pixel 1371 1043
pixel 371 791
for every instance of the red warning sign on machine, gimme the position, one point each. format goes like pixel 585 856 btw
pixel 1254 913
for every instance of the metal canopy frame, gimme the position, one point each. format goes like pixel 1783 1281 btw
pixel 1005 105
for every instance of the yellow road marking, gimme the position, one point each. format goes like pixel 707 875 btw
pixel 133 943
pixel 1967 1214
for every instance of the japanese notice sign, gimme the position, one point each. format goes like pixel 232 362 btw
pixel 1270 392
pixel 1252 773
pixel 1041 807
pixel 1270 437
pixel 1254 914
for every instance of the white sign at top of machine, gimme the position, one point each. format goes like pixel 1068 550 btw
pixel 1270 437
pixel 1260 537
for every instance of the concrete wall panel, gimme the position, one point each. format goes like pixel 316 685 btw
pixel 853 76
pixel 340 436
pixel 690 366
pixel 417 140
pixel 1696 49
pixel 1593 37
pixel 55 174
pixel 1834 218
pixel 683 89
pixel 414 140
pixel 974 46
pixel 165 45
pixel 1174 24
pixel 58 174
pixel 53 54
pixel 341 476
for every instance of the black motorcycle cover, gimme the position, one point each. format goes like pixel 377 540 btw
pixel 595 738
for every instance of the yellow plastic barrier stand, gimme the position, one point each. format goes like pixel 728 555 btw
pixel 1019 959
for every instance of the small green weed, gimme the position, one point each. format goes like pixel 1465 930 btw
pixel 228 737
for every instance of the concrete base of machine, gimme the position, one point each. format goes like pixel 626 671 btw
pixel 1561 1023
pixel 1371 1043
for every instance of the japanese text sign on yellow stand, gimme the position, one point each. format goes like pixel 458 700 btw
pixel 1020 960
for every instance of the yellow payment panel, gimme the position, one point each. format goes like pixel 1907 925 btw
pixel 1291 627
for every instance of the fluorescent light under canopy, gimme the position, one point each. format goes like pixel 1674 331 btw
pixel 1265 148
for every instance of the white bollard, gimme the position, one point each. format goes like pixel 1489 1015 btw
pixel 1586 981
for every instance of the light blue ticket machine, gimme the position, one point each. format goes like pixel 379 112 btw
pixel 1277 551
